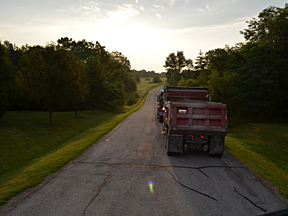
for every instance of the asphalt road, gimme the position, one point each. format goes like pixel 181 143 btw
pixel 112 178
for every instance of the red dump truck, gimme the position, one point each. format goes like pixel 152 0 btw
pixel 160 106
pixel 192 121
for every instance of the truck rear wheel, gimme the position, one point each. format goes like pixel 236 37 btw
pixel 216 147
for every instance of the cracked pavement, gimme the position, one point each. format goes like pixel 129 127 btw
pixel 111 179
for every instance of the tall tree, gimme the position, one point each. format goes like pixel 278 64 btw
pixel 105 79
pixel 200 61
pixel 79 91
pixel 95 75
pixel 94 80
pixel 114 88
pixel 259 89
pixel 270 29
pixel 53 77
pixel 130 83
pixel 28 67
pixel 174 64
pixel 14 52
pixel 6 77
pixel 119 57
pixel 82 49
pixel 137 78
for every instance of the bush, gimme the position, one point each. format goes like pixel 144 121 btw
pixel 137 79
pixel 132 98
pixel 157 79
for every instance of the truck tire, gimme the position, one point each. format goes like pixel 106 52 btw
pixel 167 143
pixel 216 147
pixel 161 119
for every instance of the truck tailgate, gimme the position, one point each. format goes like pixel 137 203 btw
pixel 206 118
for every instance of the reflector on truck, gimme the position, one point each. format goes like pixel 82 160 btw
pixel 182 112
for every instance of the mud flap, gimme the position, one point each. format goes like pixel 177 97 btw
pixel 216 145
pixel 175 143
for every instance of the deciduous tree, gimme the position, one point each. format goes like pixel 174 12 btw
pixel 174 64
pixel 119 57
pixel 53 77
pixel 6 76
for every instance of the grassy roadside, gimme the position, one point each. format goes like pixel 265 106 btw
pixel 51 156
pixel 141 87
pixel 263 147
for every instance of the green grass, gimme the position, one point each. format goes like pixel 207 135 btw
pixel 142 89
pixel 31 149
pixel 263 147
pixel 27 136
pixel 142 86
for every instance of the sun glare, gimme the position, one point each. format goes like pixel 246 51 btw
pixel 138 38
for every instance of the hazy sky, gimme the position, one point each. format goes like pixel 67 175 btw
pixel 145 31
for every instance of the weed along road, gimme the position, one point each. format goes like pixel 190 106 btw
pixel 129 173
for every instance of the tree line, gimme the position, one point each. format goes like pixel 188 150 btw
pixel 251 77
pixel 63 75
pixel 148 74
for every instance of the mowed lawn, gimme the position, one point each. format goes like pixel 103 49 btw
pixel 26 136
pixel 30 148
pixel 263 147
pixel 142 86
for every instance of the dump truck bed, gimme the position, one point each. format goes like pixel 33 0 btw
pixel 197 117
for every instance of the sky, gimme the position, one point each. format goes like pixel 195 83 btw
pixel 145 31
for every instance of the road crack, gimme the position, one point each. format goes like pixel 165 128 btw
pixel 189 187
pixel 145 166
pixel 254 204
pixel 99 190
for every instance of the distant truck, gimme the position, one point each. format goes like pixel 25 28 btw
pixel 160 105
pixel 192 121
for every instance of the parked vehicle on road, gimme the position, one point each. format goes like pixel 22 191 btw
pixel 192 121
pixel 160 105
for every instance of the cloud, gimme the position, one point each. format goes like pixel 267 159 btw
pixel 89 12
pixel 233 23
pixel 123 13
pixel 159 7
pixel 158 15
pixel 172 2
pixel 208 7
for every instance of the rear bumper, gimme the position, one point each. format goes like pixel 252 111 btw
pixel 200 131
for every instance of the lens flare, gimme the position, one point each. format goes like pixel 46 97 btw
pixel 151 185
